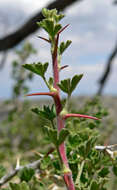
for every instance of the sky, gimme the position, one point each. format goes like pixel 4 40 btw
pixel 93 31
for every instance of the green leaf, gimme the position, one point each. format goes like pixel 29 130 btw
pixel 74 82
pixel 52 133
pixel 56 29
pixel 64 46
pixel 63 135
pixel 68 85
pixel 50 23
pixel 47 25
pixel 15 186
pixel 45 12
pixel 115 169
pixel 26 174
pixel 94 186
pixel 24 186
pixel 52 14
pixel 104 172
pixel 48 113
pixel 2 171
pixel 37 68
pixel 65 85
pixel 21 186
pixel 50 82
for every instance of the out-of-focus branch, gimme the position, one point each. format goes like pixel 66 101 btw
pixel 115 2
pixel 34 165
pixel 3 59
pixel 13 173
pixel 107 71
pixel 30 26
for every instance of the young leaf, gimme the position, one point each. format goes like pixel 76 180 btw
pixel 56 29
pixel 115 169
pixel 65 85
pixel 38 68
pixel 2 171
pixel 50 82
pixel 68 85
pixel 47 25
pixel 52 133
pixel 64 46
pixel 63 135
pixel 94 185
pixel 50 27
pixel 75 80
pixel 104 172
pixel 26 174
pixel 15 186
pixel 50 23
pixel 48 113
pixel 24 186
pixel 52 14
pixel 21 186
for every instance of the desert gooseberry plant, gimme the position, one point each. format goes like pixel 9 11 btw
pixel 58 132
pixel 76 157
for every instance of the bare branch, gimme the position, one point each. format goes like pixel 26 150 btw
pixel 30 26
pixel 107 71
pixel 34 165
pixel 13 173
pixel 3 59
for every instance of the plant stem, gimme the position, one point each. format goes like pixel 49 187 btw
pixel 60 121
pixel 80 173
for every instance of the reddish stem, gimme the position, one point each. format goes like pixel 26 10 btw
pixel 60 121
pixel 61 30
pixel 79 115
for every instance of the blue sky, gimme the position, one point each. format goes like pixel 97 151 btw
pixel 93 31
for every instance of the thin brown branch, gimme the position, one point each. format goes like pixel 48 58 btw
pixel 3 59
pixel 30 26
pixel 108 69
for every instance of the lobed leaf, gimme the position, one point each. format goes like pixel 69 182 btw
pixel 2 171
pixel 68 85
pixel 115 169
pixel 104 172
pixel 63 135
pixel 38 68
pixel 64 46
pixel 52 133
pixel 52 14
pixel 94 185
pixel 64 85
pixel 21 186
pixel 75 80
pixel 48 113
pixel 26 174
pixel 50 27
